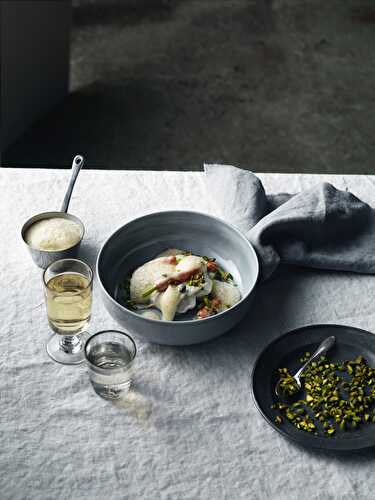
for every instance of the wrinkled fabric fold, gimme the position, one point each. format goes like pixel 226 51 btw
pixel 322 227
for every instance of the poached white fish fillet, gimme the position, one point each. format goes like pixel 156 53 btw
pixel 168 272
pixel 226 293
pixel 145 276
pixel 173 281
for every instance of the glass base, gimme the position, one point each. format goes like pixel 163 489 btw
pixel 113 391
pixel 67 350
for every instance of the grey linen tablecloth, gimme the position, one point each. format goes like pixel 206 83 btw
pixel 189 429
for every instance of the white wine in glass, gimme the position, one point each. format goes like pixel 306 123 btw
pixel 68 303
pixel 68 292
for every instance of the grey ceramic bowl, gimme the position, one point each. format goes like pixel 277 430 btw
pixel 43 258
pixel 142 239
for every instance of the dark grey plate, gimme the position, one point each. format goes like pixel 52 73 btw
pixel 285 351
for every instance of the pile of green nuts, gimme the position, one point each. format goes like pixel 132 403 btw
pixel 338 396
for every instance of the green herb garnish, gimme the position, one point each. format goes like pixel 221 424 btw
pixel 224 275
pixel 149 291
pixel 124 288
pixel 130 304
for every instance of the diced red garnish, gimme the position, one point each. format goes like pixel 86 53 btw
pixel 176 279
pixel 161 287
pixel 203 313
pixel 215 303
pixel 211 266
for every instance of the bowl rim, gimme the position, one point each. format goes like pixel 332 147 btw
pixel 182 322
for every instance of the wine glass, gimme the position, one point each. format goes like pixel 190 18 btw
pixel 68 294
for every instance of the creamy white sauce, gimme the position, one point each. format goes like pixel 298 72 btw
pixel 53 234
pixel 152 314
pixel 186 304
pixel 175 297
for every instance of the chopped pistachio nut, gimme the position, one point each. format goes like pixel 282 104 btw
pixel 278 420
pixel 287 384
pixel 338 396
pixel 196 280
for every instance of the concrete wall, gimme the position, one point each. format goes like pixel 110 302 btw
pixel 34 61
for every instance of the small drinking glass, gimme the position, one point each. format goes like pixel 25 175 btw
pixel 110 355
pixel 68 294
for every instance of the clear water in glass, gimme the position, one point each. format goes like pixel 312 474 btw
pixel 110 366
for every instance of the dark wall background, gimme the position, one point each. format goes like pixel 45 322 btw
pixel 34 61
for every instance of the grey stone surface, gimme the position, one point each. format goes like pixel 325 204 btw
pixel 271 85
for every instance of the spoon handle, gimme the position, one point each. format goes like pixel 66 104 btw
pixel 77 164
pixel 323 348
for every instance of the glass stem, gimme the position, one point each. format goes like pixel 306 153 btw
pixel 70 344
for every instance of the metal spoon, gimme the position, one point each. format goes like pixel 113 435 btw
pixel 322 349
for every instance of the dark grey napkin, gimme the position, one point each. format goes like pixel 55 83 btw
pixel 321 227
